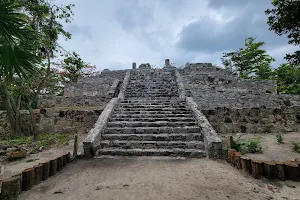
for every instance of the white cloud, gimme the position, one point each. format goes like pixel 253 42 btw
pixel 114 33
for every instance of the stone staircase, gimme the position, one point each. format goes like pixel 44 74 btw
pixel 152 120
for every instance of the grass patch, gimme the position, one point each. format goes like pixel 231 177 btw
pixel 44 140
pixel 296 147
pixel 279 138
pixel 247 146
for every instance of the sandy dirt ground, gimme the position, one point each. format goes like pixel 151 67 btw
pixel 271 150
pixel 141 178
pixel 16 167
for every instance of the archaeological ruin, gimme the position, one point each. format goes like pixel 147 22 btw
pixel 165 112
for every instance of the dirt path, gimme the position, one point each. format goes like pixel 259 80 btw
pixel 155 178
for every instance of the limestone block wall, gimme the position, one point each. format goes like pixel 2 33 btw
pixel 254 120
pixel 214 87
pixel 56 120
pixel 98 85
pixel 60 101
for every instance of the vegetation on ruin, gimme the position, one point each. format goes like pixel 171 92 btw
pixel 279 138
pixel 247 146
pixel 43 140
pixel 296 147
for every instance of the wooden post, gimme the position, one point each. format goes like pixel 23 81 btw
pixel 269 170
pixel 28 179
pixel 68 157
pixel 292 171
pixel 38 170
pixel 59 163
pixel 257 168
pixel 11 188
pixel 46 170
pixel 246 164
pixel 279 171
pixel 53 167
pixel 231 156
pixel 230 142
pixel 237 160
pixel 65 160
pixel 75 147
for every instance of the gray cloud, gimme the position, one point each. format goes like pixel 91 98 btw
pixel 113 33
pixel 211 36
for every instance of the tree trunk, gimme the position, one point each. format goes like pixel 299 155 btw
pixel 33 121
pixel 12 112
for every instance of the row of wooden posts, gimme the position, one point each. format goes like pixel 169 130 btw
pixel 11 187
pixel 289 170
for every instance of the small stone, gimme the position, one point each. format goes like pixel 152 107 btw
pixel 289 185
pixel 58 192
pixel 17 154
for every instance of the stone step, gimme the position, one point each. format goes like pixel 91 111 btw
pixel 134 144
pixel 171 119
pixel 122 109
pixel 152 104
pixel 145 112
pixel 153 100
pixel 149 124
pixel 155 137
pixel 151 130
pixel 150 95
pixel 151 115
pixel 197 153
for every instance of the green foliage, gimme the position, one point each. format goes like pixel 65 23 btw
pixel 250 61
pixel 279 138
pixel 296 147
pixel 73 66
pixel 288 79
pixel 17 43
pixel 247 146
pixel 42 141
pixel 283 18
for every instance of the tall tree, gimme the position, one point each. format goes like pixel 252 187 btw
pixel 29 30
pixel 284 18
pixel 250 61
pixel 18 44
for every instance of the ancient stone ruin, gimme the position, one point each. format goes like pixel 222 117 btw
pixel 168 111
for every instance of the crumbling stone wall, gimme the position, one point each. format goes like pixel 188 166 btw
pixel 215 87
pixel 54 120
pixel 98 85
pixel 88 91
pixel 254 120
pixel 235 105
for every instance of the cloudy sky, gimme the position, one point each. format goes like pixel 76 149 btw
pixel 114 33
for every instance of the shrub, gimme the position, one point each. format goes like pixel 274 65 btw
pixel 279 138
pixel 296 147
pixel 247 146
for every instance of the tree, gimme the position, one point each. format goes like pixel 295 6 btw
pixel 17 56
pixel 288 79
pixel 29 32
pixel 250 61
pixel 284 19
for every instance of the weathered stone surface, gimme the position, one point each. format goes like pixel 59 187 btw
pixel 16 154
